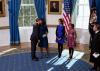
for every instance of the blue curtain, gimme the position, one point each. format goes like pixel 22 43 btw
pixel 14 6
pixel 40 8
pixel 98 10
pixel 92 3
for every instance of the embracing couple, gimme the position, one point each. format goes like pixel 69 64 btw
pixel 39 36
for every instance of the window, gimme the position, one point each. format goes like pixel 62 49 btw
pixel 83 16
pixel 27 13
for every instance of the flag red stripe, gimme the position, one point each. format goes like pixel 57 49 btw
pixel 66 18
pixel 65 21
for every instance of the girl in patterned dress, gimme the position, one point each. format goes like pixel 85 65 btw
pixel 71 37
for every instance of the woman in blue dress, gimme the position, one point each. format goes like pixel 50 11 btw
pixel 60 35
pixel 43 31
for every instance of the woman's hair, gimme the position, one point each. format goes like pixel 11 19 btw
pixel 37 19
pixel 98 26
pixel 93 9
pixel 43 21
pixel 61 20
pixel 72 25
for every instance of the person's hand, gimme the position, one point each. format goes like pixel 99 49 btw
pixel 44 35
pixel 96 53
pixel 38 41
pixel 58 38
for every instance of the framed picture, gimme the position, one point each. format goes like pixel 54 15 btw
pixel 2 8
pixel 54 6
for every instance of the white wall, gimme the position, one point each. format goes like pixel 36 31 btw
pixel 83 35
pixel 4 34
pixel 4 37
pixel 4 21
pixel 52 19
pixel 26 32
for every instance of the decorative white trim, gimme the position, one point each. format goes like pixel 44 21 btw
pixel 6 51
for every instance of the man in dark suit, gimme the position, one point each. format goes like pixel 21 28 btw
pixel 34 40
pixel 91 32
pixel 95 51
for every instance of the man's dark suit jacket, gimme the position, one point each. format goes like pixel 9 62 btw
pixel 96 46
pixel 34 35
pixel 96 43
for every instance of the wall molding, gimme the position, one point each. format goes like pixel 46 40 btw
pixel 52 26
pixel 4 27
pixel 7 27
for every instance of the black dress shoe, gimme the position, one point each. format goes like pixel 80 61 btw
pixel 93 68
pixel 46 55
pixel 35 58
pixel 59 56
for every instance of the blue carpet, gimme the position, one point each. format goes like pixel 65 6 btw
pixel 23 62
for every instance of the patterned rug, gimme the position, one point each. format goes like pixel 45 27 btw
pixel 23 62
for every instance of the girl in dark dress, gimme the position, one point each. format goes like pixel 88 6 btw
pixel 60 34
pixel 71 38
pixel 43 31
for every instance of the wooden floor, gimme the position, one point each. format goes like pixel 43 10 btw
pixel 79 47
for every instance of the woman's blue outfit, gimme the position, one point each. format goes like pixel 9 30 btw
pixel 60 33
pixel 60 38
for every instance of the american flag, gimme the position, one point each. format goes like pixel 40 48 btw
pixel 67 14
